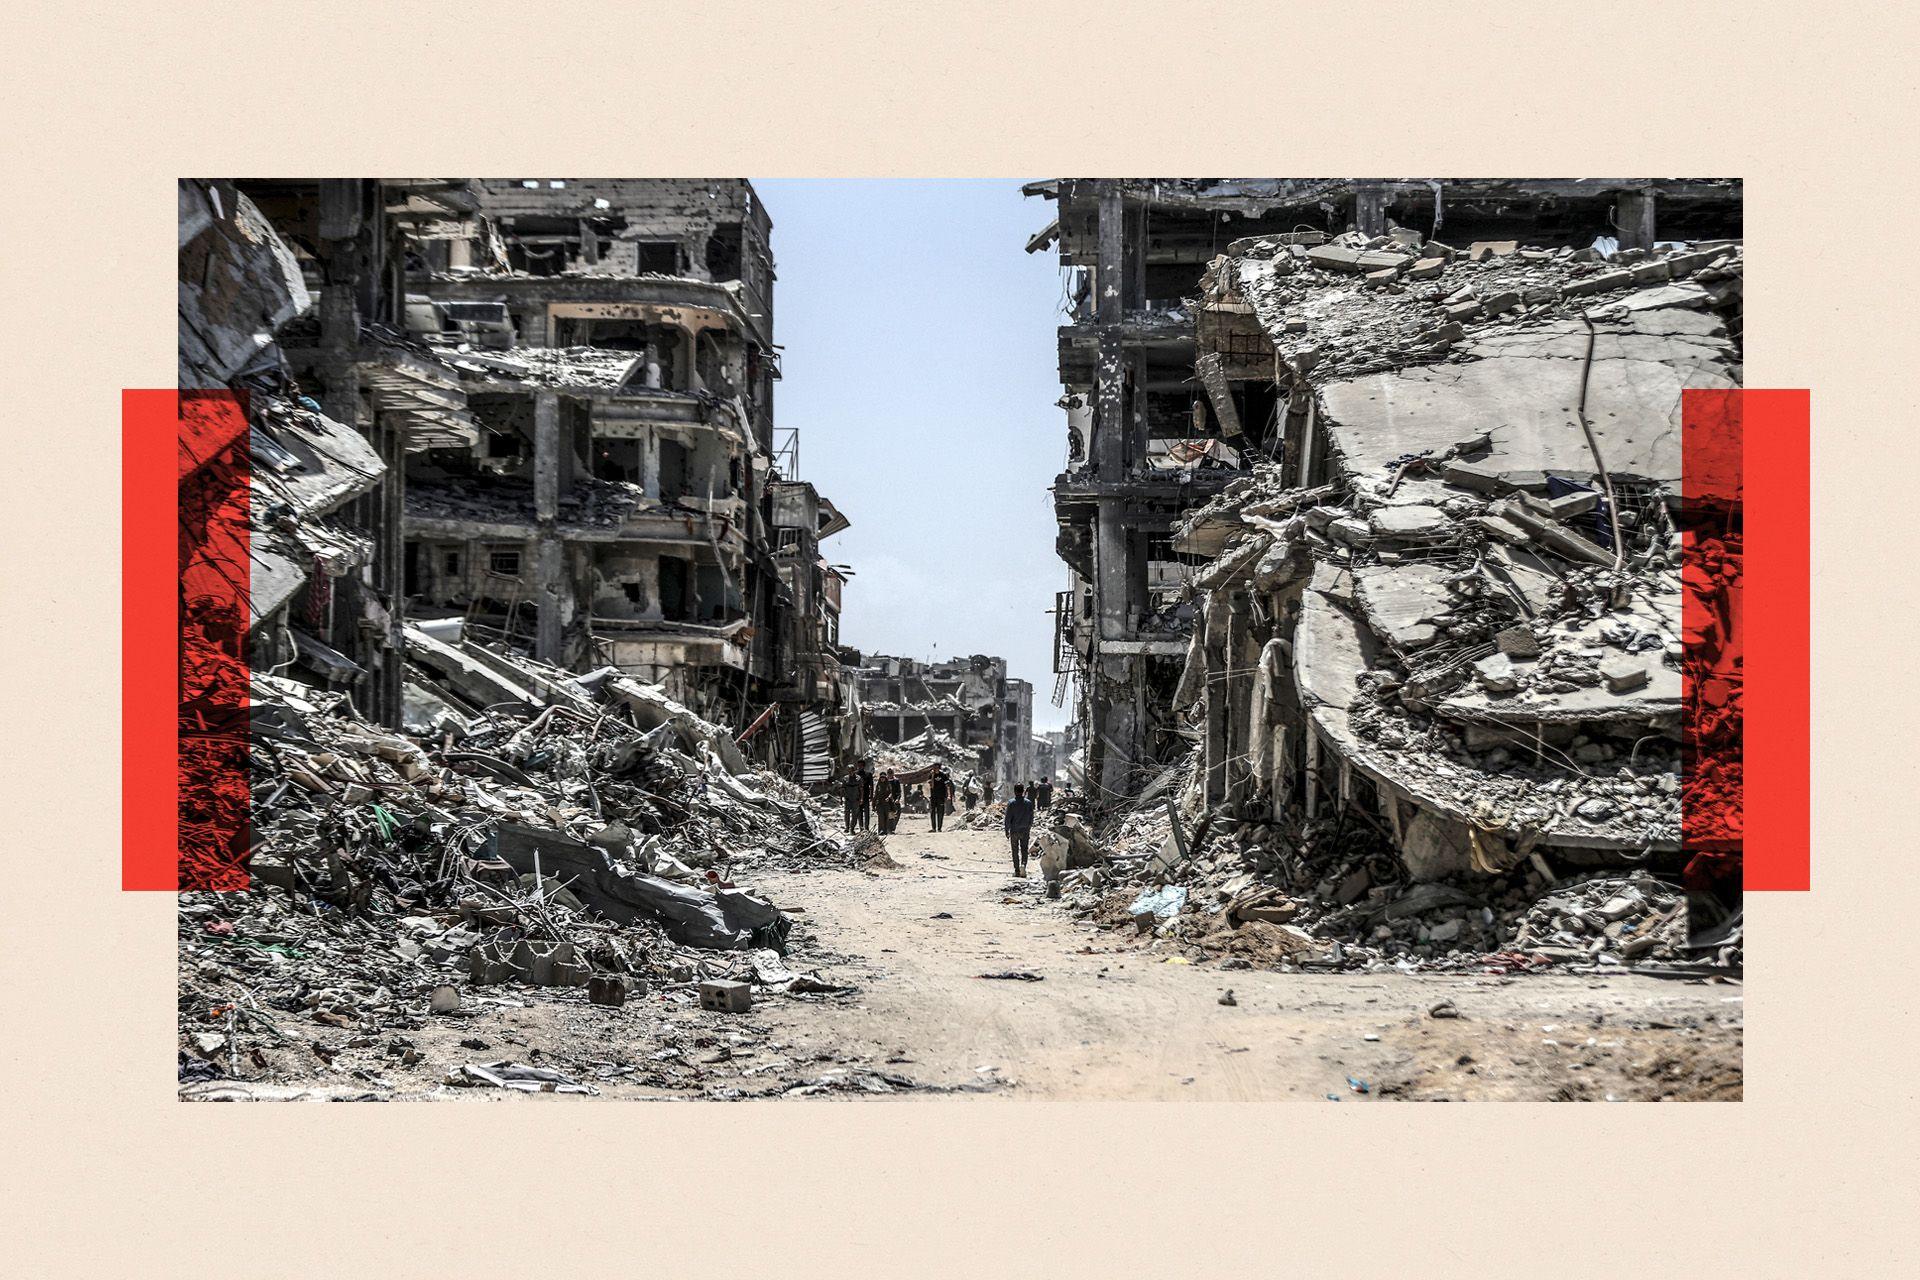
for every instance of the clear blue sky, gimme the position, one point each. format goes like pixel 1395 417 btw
pixel 920 368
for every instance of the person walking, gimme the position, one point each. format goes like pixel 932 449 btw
pixel 888 805
pixel 1043 795
pixel 852 790
pixel 866 794
pixel 1019 825
pixel 939 797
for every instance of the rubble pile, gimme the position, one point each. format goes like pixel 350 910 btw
pixel 586 838
pixel 1348 305
pixel 925 751
pixel 1333 894
pixel 589 502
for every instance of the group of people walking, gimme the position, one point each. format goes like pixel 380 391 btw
pixel 872 800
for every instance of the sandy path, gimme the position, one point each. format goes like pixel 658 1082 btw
pixel 1111 1020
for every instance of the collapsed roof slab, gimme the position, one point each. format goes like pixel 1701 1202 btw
pixel 1524 388
pixel 1332 646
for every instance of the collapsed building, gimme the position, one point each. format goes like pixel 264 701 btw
pixel 535 412
pixel 966 711
pixel 1169 402
pixel 441 583
pixel 1432 540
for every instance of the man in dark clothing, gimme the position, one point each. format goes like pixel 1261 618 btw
pixel 866 794
pixel 1019 824
pixel 939 796
pixel 1043 794
pixel 889 798
pixel 852 791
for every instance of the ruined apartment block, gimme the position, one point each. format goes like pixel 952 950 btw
pixel 1428 513
pixel 538 412
pixel 966 703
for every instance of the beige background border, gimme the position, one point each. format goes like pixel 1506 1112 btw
pixel 106 1174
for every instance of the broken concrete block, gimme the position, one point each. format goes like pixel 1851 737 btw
pixel 1651 272
pixel 1435 249
pixel 1471 475
pixel 1333 257
pixel 1426 268
pixel 1352 531
pixel 1463 311
pixel 1446 931
pixel 1295 326
pixel 1417 521
pixel 1623 674
pixel 1569 505
pixel 1684 264
pixel 445 999
pixel 1352 886
pixel 1602 283
pixel 1495 673
pixel 1505 530
pixel 1384 276
pixel 1517 642
pixel 726 997
pixel 1444 334
pixel 1481 250
pixel 1500 302
pixel 1541 294
pixel 610 989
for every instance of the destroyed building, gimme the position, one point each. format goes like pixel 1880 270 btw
pixel 966 708
pixel 1169 402
pixel 535 412
pixel 1435 603
pixel 1172 398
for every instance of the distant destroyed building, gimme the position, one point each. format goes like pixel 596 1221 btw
pixel 966 703
pixel 1375 500
pixel 536 413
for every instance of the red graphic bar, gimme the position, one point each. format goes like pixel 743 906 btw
pixel 1745 453
pixel 1777 443
pixel 185 594
pixel 149 640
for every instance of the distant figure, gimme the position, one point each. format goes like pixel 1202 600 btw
pixel 866 793
pixel 1043 794
pixel 972 793
pixel 853 792
pixel 889 799
pixel 939 797
pixel 1019 824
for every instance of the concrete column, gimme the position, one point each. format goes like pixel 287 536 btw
pixel 391 701
pixel 1117 723
pixel 1133 294
pixel 546 456
pixel 550 592
pixel 1370 209
pixel 1107 278
pixel 1214 657
pixel 1110 571
pixel 1107 449
pixel 1136 451
pixel 1634 214
pixel 549 553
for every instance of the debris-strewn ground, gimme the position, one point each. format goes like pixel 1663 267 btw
pixel 478 905
pixel 1119 1017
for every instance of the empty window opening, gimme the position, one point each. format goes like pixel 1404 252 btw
pixel 724 252
pixel 659 256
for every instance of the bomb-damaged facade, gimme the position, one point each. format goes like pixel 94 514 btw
pixel 1375 502
pixel 558 398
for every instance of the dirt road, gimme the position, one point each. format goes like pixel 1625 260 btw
pixel 1109 1019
